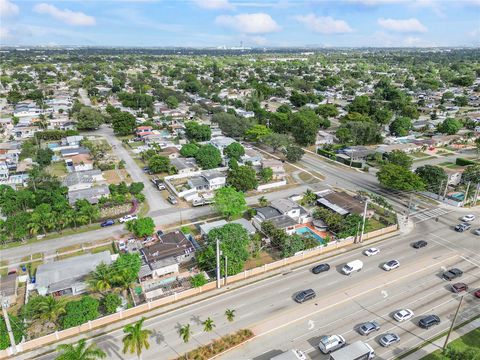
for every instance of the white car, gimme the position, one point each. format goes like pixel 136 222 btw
pixel 127 218
pixel 469 217
pixel 402 315
pixel 390 265
pixel 371 252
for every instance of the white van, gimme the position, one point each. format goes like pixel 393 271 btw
pixel 355 265
pixel 331 343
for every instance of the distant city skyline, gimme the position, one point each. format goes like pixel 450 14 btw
pixel 254 23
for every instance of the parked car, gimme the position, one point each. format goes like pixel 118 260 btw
pixel 477 231
pixel 305 295
pixel 468 218
pixel 320 268
pixel 419 244
pixel 390 265
pixel 459 287
pixel 477 294
pixel 368 327
pixel 159 233
pixel 158 183
pixel 172 200
pixel 371 251
pixel 462 227
pixel 389 339
pixel 429 321
pixel 127 218
pixel 331 343
pixel 451 274
pixel 108 222
pixel 122 246
pixel 403 315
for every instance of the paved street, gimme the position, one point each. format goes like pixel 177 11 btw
pixel 267 307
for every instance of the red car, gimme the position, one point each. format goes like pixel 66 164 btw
pixel 459 287
pixel 477 293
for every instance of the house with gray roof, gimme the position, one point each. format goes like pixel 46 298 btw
pixel 78 180
pixel 92 195
pixel 67 277
pixel 184 165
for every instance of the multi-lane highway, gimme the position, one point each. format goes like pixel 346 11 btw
pixel 343 302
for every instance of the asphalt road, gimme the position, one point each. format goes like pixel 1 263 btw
pixel 342 302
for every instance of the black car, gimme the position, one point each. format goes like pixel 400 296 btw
pixel 108 222
pixel 419 244
pixel 429 321
pixel 462 227
pixel 452 274
pixel 305 295
pixel 320 268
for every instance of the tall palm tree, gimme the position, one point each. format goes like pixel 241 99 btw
pixel 49 308
pixel 230 314
pixel 123 281
pixel 80 351
pixel 136 338
pixel 262 201
pixel 101 278
pixel 309 197
pixel 185 332
pixel 208 325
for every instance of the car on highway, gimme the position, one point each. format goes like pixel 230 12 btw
pixel 468 218
pixel 403 315
pixel 452 274
pixel 477 231
pixel 390 265
pixel 371 251
pixel 477 294
pixel 462 227
pixel 429 321
pixel 172 200
pixel 331 343
pixel 304 295
pixel 320 268
pixel 459 287
pixel 368 327
pixel 389 339
pixel 108 222
pixel 419 244
pixel 127 218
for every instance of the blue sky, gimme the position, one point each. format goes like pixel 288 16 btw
pixel 378 23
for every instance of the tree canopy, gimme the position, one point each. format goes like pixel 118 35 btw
pixel 229 202
pixel 397 177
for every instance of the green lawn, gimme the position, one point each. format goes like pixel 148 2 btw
pixel 419 155
pixel 57 169
pixel 471 339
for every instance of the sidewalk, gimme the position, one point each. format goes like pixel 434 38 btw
pixel 438 344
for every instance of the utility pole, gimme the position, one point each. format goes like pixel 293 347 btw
pixel 364 220
pixel 218 264
pixel 9 327
pixel 445 191
pixel 226 273
pixel 409 206
pixel 440 190
pixel 466 194
pixel 477 190
pixel 452 324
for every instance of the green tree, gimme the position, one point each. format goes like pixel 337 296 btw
pixel 80 351
pixel 472 174
pixel 400 126
pixel 294 153
pixel 44 157
pixel 172 102
pixel 185 332
pixel 298 99
pixel 275 141
pixel 17 328
pixel 208 325
pixel 111 302
pixel 243 178
pixel 229 202
pixel 158 164
pixel 449 126
pixel 126 268
pixel 45 308
pixel 434 177
pixel 230 314
pixel 141 227
pixel 266 174
pixel 262 201
pixel 231 125
pixel 189 150
pixel 398 157
pixel 234 151
pixel 80 311
pixel 208 157
pixel 198 280
pixel 234 244
pixel 396 177
pixel 361 105
pixel 100 279
pixel 327 110
pixel 197 132
pixel 256 132
pixel 89 119
pixel 123 123
pixel 136 338
pixel 309 197
pixel 305 125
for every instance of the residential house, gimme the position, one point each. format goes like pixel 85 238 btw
pixel 67 277
pixel 324 138
pixel 221 142
pixel 342 203
pixel 73 151
pixel 207 181
pixel 405 147
pixel 251 156
pixel 92 194
pixel 24 132
pixel 165 255
pixel 81 162
pixel 284 214
pixel 184 165
pixel 73 140
pixel 82 179
pixel 356 153
pixel 4 172
pixel 171 152
pixel 276 166
pixel 207 227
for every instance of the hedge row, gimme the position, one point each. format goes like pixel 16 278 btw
pixel 218 346
pixel 464 162
pixel 328 154
pixel 355 164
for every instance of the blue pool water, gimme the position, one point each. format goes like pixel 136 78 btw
pixel 305 231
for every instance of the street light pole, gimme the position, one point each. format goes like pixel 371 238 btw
pixel 9 327
pixel 218 264
pixel 226 273
pixel 364 220
pixel 452 324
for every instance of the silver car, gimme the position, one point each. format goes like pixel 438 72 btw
pixel 368 327
pixel 389 339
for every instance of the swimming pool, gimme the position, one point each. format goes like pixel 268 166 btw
pixel 307 232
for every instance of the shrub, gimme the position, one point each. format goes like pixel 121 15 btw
pixel 111 302
pixel 464 162
pixel 328 154
pixel 81 311
pixel 198 280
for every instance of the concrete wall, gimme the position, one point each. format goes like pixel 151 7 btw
pixel 271 185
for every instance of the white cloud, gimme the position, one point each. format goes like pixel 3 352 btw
pixel 4 33
pixel 257 23
pixel 214 4
pixel 67 16
pixel 402 25
pixel 8 8
pixel 324 24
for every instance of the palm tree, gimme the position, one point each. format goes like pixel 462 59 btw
pixel 49 308
pixel 101 278
pixel 80 352
pixel 208 325
pixel 262 201
pixel 185 332
pixel 309 197
pixel 230 314
pixel 122 280
pixel 136 338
